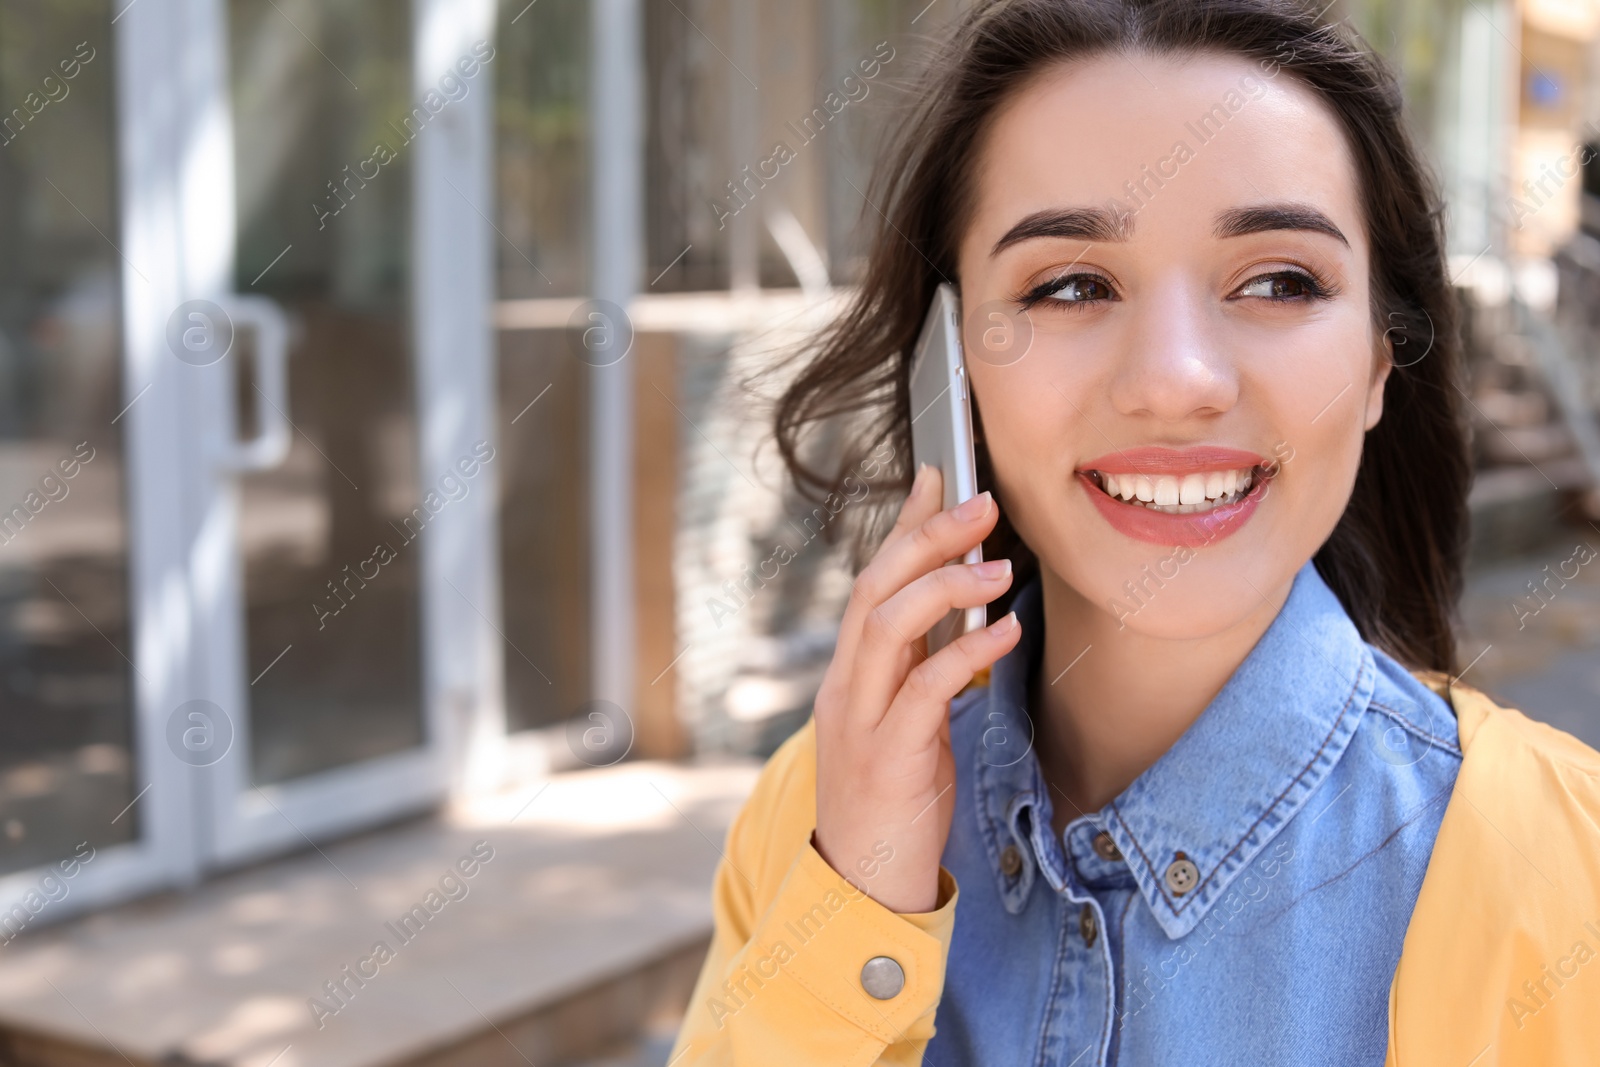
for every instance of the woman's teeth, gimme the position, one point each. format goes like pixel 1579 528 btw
pixel 1179 495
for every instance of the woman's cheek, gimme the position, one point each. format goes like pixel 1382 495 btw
pixel 1009 475
pixel 1316 478
pixel 1022 432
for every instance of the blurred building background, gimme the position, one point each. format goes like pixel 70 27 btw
pixel 382 467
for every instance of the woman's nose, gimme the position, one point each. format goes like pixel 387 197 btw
pixel 1176 362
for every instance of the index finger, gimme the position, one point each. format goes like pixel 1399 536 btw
pixel 921 504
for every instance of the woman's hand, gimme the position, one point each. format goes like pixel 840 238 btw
pixel 885 774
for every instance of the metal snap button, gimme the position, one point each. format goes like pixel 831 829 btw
pixel 882 978
pixel 1087 926
pixel 1106 848
pixel 1010 860
pixel 1182 875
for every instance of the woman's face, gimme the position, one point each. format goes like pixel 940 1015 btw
pixel 1168 331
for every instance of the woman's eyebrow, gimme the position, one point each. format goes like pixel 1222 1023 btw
pixel 1236 222
pixel 1086 223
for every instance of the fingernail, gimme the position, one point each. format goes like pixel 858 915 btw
pixel 975 508
pixel 920 482
pixel 991 570
pixel 1005 625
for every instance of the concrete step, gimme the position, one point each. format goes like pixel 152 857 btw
pixel 582 931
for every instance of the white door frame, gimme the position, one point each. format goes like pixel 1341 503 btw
pixel 453 264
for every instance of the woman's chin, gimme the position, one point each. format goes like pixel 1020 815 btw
pixel 1180 593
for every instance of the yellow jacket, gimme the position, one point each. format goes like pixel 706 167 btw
pixel 1500 964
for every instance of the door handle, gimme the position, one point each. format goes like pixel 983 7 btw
pixel 270 444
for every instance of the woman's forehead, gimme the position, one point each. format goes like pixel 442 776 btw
pixel 1177 141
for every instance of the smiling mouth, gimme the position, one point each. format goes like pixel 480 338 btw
pixel 1181 494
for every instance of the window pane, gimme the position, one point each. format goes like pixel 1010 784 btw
pixel 329 538
pixel 66 744
pixel 541 170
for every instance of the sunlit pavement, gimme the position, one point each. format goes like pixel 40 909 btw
pixel 650 1052
pixel 1537 648
pixel 587 906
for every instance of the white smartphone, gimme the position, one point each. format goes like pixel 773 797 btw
pixel 941 432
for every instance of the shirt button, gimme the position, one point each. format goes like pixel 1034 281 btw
pixel 1087 926
pixel 882 978
pixel 1106 848
pixel 1011 860
pixel 1182 875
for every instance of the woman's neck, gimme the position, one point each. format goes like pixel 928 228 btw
pixel 1107 702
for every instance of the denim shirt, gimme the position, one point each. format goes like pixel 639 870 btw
pixel 1243 901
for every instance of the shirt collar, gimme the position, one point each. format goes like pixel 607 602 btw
pixel 1217 797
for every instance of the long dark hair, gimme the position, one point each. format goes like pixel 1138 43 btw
pixel 1395 557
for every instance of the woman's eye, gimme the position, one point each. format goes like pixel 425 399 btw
pixel 1285 285
pixel 1076 289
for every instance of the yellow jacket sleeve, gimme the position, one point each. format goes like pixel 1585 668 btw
pixel 782 982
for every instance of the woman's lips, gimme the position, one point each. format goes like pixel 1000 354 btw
pixel 1177 497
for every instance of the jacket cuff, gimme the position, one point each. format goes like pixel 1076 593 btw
pixel 829 929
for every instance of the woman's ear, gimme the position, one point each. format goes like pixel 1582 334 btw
pixel 1382 364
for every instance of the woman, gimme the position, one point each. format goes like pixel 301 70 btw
pixel 1201 810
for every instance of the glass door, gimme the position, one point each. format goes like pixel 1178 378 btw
pixel 318 633
pixel 248 555
pixel 347 665
pixel 90 540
